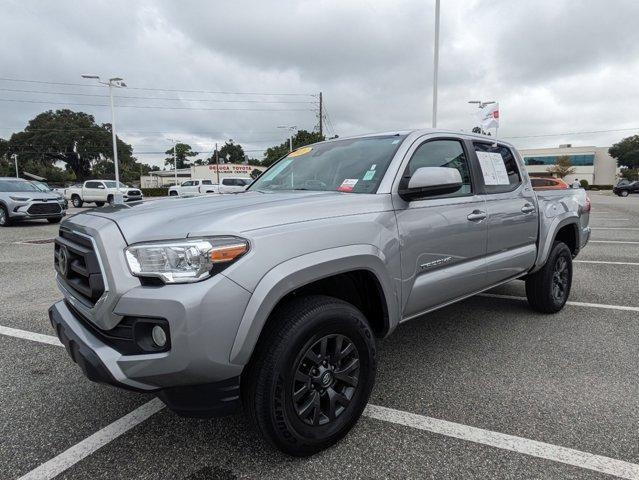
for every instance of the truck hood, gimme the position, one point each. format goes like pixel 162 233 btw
pixel 233 214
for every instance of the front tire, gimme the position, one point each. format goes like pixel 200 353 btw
pixel 311 375
pixel 5 220
pixel 548 289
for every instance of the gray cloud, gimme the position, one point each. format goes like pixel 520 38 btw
pixel 555 66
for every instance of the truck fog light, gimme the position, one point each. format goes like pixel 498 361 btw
pixel 159 336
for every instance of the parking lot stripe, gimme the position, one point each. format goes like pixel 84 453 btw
pixel 614 241
pixel 36 337
pixel 576 304
pixel 606 263
pixel 86 447
pixel 614 228
pixel 503 441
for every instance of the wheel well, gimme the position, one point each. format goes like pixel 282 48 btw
pixel 359 288
pixel 75 195
pixel 568 235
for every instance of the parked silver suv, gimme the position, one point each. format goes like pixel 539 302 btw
pixel 273 298
pixel 22 200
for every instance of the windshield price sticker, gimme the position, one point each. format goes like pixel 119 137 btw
pixel 347 185
pixel 369 175
pixel 493 168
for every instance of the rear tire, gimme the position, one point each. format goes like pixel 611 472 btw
pixel 623 193
pixel 311 374
pixel 173 194
pixel 5 221
pixel 76 201
pixel 548 289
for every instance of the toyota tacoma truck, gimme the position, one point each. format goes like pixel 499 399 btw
pixel 273 299
pixel 100 192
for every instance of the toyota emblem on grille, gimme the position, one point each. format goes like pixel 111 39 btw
pixel 63 261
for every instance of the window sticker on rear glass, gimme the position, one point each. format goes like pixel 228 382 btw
pixel 347 185
pixel 493 168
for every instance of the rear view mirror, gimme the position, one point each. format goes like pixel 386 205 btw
pixel 429 181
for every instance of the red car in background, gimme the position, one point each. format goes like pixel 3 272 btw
pixel 548 183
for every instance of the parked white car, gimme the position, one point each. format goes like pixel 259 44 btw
pixel 100 192
pixel 197 186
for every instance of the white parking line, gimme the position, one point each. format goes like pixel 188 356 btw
pixel 534 448
pixel 614 228
pixel 575 304
pixel 606 263
pixel 36 337
pixel 614 241
pixel 86 447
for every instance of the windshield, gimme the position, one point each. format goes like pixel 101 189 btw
pixel 42 186
pixel 111 184
pixel 17 186
pixel 355 165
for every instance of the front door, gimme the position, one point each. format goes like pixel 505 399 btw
pixel 443 238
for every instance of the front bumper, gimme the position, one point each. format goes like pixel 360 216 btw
pixel 20 210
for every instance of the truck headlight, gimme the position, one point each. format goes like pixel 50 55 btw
pixel 184 261
pixel 19 199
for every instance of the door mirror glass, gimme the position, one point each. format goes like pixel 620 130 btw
pixel 429 181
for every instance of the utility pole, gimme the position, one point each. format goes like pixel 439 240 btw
pixel 435 63
pixel 217 167
pixel 175 161
pixel 321 119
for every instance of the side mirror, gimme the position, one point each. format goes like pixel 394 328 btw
pixel 430 181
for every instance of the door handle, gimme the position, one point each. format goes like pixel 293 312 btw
pixel 476 216
pixel 528 208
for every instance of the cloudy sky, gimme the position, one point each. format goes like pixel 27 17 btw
pixel 559 68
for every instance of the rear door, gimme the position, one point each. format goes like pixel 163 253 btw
pixel 442 238
pixel 513 223
pixel 93 191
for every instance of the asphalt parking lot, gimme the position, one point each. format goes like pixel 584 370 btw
pixel 481 389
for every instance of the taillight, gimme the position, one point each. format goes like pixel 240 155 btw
pixel 588 205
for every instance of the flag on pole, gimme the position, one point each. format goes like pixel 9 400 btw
pixel 489 116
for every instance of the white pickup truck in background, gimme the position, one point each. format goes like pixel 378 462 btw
pixel 197 186
pixel 100 192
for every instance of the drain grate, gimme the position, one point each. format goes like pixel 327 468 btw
pixel 38 242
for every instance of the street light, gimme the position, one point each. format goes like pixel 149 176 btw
pixel 175 142
pixel 480 103
pixel 435 63
pixel 291 129
pixel 116 82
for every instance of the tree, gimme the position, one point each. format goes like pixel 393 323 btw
pixel 70 137
pixel 231 152
pixel 184 152
pixel 301 138
pixel 563 167
pixel 626 152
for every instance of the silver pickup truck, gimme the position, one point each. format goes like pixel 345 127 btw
pixel 273 298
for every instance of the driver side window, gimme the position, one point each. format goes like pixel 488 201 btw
pixel 442 153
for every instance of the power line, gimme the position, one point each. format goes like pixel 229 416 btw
pixel 159 107
pixel 43 82
pixel 18 90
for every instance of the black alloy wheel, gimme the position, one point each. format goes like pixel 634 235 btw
pixel 325 379
pixel 560 279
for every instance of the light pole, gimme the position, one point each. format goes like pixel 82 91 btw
pixel 435 63
pixel 481 104
pixel 291 129
pixel 175 142
pixel 15 159
pixel 116 82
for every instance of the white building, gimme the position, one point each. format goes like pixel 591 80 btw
pixel 165 178
pixel 592 164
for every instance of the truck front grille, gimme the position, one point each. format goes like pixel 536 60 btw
pixel 44 208
pixel 77 263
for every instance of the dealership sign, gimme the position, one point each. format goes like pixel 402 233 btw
pixel 232 168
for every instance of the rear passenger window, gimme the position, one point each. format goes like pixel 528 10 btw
pixel 498 167
pixel 207 182
pixel 93 185
pixel 442 153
